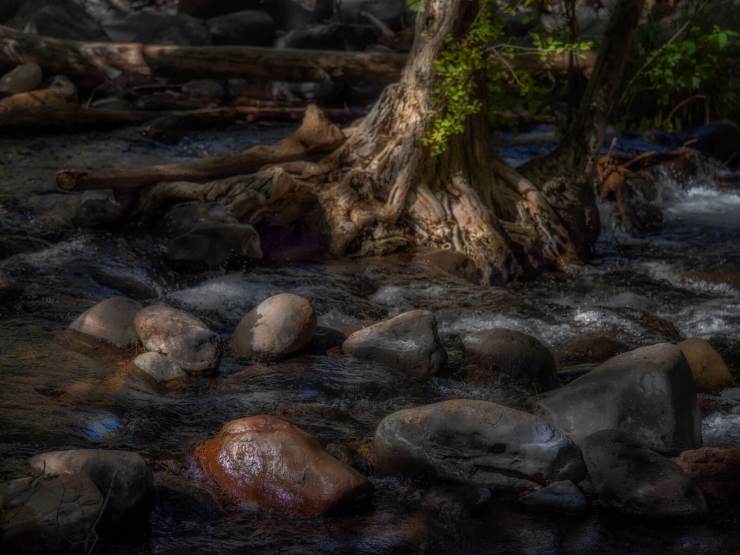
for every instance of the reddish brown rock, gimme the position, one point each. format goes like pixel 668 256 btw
pixel 589 348
pixel 716 471
pixel 269 462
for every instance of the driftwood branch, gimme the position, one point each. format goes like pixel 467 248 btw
pixel 145 61
pixel 315 136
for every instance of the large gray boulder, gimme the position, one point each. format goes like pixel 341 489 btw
pixel 250 27
pixel 478 443
pixel 125 474
pixel 111 320
pixel 632 479
pixel 279 326
pixel 648 393
pixel 182 337
pixel 408 342
pixel 40 515
pixel 158 28
pixel 504 355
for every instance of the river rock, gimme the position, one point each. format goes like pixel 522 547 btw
pixel 559 496
pixel 125 474
pixel 478 443
pixel 648 393
pixel 451 262
pixel 159 28
pixel 39 515
pixel 158 367
pixel 98 209
pixel 390 12
pixel 270 462
pixel 24 78
pixel 210 8
pixel 291 14
pixel 279 326
pixel 111 320
pixel 408 342
pixel 715 470
pixel 313 37
pixel 213 244
pixel 707 366
pixel 503 355
pixel 182 337
pixel 590 348
pixel 632 479
pixel 250 28
pixel 61 19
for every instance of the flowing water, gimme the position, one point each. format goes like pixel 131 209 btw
pixel 58 392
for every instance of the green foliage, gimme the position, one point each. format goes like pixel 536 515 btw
pixel 688 62
pixel 486 54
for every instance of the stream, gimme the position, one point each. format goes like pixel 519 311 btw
pixel 58 393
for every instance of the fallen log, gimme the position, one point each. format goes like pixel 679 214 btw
pixel 314 137
pixel 146 61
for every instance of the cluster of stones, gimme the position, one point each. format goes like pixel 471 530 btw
pixel 606 438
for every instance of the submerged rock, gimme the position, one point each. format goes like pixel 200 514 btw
pixel 38 515
pixel 249 28
pixel 158 367
pixel 24 78
pixel 591 348
pixel 648 393
pixel 707 366
pixel 269 462
pixel 111 320
pixel 182 337
pixel 715 470
pixel 559 496
pixel 124 474
pixel 214 244
pixel 478 443
pixel 504 355
pixel 279 326
pixel 632 479
pixel 408 342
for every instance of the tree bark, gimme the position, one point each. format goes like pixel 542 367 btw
pixel 144 61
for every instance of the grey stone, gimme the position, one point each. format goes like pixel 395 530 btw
pixel 503 355
pixel 279 326
pixel 44 514
pixel 648 393
pixel 632 479
pixel 478 443
pixel 408 342
pixel 61 19
pixel 559 496
pixel 390 12
pixel 182 337
pixel 157 28
pixel 111 320
pixel 251 27
pixel 125 474
pixel 159 367
pixel 291 14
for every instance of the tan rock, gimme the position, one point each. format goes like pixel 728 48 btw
pixel 707 366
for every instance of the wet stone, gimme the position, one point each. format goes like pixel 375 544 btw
pixel 158 367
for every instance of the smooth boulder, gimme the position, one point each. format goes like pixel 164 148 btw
pixel 39 515
pixel 159 367
pixel 278 327
pixel 478 443
pixel 269 462
pixel 111 320
pixel 249 28
pixel 408 342
pixel 182 337
pixel 504 355
pixel 632 479
pixel 559 496
pixel 24 78
pixel 589 348
pixel 707 366
pixel 123 473
pixel 648 393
